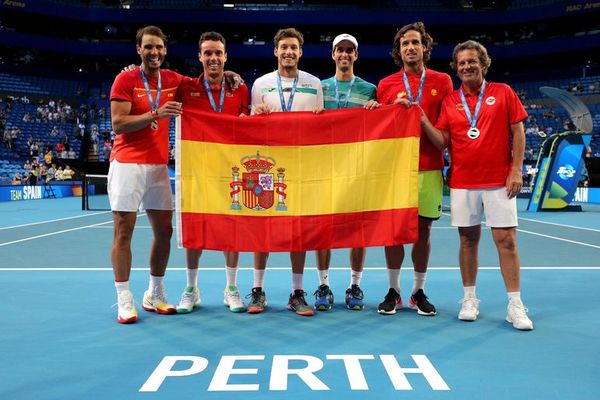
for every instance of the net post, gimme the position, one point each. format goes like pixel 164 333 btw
pixel 84 193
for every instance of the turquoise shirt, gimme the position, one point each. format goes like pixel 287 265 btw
pixel 362 91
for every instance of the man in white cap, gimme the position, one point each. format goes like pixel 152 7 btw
pixel 344 90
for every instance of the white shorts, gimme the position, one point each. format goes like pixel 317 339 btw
pixel 468 205
pixel 133 187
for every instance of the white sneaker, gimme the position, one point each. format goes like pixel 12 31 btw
pixel 156 301
pixel 516 314
pixel 469 309
pixel 127 313
pixel 233 300
pixel 190 299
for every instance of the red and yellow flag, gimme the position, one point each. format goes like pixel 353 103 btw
pixel 298 181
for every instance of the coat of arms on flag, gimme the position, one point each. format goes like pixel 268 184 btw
pixel 258 185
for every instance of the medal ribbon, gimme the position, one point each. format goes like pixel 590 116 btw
pixel 348 92
pixel 153 105
pixel 472 119
pixel 407 86
pixel 287 108
pixel 210 95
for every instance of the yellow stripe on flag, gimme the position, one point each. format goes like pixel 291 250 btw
pixel 322 179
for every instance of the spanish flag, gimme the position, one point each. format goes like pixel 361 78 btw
pixel 298 181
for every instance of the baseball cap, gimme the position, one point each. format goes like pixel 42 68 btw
pixel 345 36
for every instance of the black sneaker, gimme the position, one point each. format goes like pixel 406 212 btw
pixel 258 301
pixel 419 302
pixel 391 303
pixel 298 304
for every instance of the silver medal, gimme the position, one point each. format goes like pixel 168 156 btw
pixel 473 133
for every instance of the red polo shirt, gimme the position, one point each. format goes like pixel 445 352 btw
pixel 436 87
pixel 145 146
pixel 486 161
pixel 192 94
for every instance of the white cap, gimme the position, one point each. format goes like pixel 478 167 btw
pixel 345 36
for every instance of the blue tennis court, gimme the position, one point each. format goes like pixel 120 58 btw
pixel 59 338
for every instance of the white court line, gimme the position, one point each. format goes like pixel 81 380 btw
pixel 289 269
pixel 53 233
pixel 53 220
pixel 62 231
pixel 561 239
pixel 99 225
pixel 557 224
pixel 551 237
pixel 558 238
pixel 552 223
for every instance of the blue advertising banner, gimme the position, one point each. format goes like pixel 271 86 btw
pixel 28 192
pixel 564 176
pixel 559 172
pixel 565 173
pixel 587 195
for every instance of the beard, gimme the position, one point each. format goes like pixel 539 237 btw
pixel 412 63
pixel 153 65
pixel 345 68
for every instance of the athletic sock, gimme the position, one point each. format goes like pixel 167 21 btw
pixel 514 296
pixel 121 287
pixel 259 278
pixel 192 277
pixel 231 274
pixel 297 281
pixel 470 292
pixel 355 277
pixel 323 277
pixel 155 281
pixel 394 279
pixel 419 281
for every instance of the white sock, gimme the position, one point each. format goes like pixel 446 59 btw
pixel 514 296
pixel 323 277
pixel 121 287
pixel 231 276
pixel 297 281
pixel 355 277
pixel 470 292
pixel 394 279
pixel 259 278
pixel 155 281
pixel 419 281
pixel 192 277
